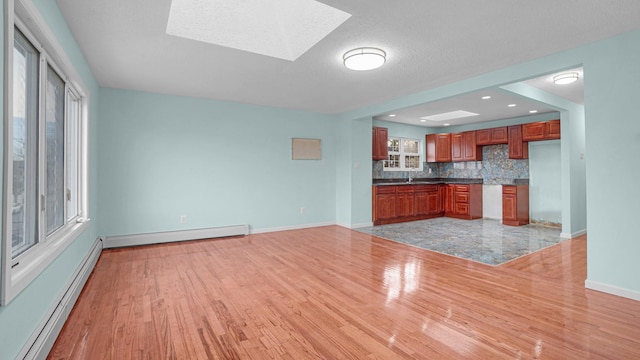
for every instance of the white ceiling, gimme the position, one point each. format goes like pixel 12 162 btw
pixel 429 44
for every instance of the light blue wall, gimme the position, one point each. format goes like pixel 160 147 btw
pixel 545 190
pixel 218 163
pixel 21 316
pixel 613 138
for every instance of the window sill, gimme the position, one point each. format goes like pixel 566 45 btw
pixel 33 262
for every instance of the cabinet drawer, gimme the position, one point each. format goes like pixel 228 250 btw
pixel 385 189
pixel 507 189
pixel 426 188
pixel 462 209
pixel 403 189
pixel 462 188
pixel 462 198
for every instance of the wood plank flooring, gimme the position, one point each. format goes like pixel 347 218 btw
pixel 333 293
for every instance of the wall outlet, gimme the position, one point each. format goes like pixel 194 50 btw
pixel 302 210
pixel 183 219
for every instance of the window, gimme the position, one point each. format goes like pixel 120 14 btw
pixel 44 190
pixel 404 154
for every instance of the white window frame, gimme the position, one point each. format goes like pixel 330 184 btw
pixel 19 272
pixel 402 154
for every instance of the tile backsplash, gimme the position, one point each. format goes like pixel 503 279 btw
pixel 495 168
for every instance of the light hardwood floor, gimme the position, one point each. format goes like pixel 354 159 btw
pixel 333 293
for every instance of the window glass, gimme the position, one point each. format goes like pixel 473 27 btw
pixel 54 135
pixel 24 192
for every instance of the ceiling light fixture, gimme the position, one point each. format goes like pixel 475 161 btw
pixel 392 115
pixel 423 120
pixel 364 58
pixel 445 124
pixel 511 105
pixel 487 97
pixel 566 78
pixel 533 111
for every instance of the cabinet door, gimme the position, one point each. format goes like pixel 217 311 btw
pixel 517 148
pixel 442 195
pixel 385 206
pixel 509 207
pixel 483 137
pixel 553 129
pixel 422 203
pixel 433 201
pixel 449 201
pixel 499 135
pixel 404 204
pixel 457 152
pixel 470 150
pixel 462 209
pixel 533 131
pixel 443 147
pixel 379 149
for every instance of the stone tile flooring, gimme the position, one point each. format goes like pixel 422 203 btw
pixel 483 240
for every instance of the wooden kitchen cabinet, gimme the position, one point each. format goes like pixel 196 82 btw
pixel 384 203
pixel 518 149
pixel 464 201
pixel 393 204
pixel 515 205
pixel 438 147
pixel 379 149
pixel 542 130
pixel 493 136
pixel 405 201
pixel 464 148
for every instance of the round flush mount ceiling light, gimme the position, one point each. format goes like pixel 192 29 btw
pixel 364 58
pixel 566 78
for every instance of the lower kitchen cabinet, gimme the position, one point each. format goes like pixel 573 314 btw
pixel 392 204
pixel 464 201
pixel 400 203
pixel 515 205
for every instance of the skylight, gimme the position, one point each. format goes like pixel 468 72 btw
pixel 283 29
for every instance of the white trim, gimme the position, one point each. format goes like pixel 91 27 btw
pixel 44 335
pixel 357 226
pixel 291 227
pixel 573 235
pixel 612 289
pixel 173 236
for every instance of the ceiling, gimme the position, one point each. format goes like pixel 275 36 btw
pixel 429 44
pixel 490 104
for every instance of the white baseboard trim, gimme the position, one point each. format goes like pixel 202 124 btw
pixel 292 227
pixel 573 235
pixel 173 236
pixel 45 334
pixel 357 226
pixel 613 290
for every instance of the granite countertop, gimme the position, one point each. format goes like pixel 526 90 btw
pixel 421 181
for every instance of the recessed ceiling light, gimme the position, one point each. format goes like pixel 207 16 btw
pixel 364 58
pixel 533 111
pixel 486 97
pixel 423 120
pixel 511 105
pixel 445 124
pixel 283 29
pixel 392 115
pixel 566 78
pixel 449 115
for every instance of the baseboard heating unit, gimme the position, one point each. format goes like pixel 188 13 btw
pixel 173 236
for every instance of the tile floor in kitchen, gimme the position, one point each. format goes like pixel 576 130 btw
pixel 482 240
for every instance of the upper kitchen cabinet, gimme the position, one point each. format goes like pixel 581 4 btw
pixel 518 149
pixel 464 147
pixel 493 136
pixel 543 130
pixel 379 150
pixel 438 148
